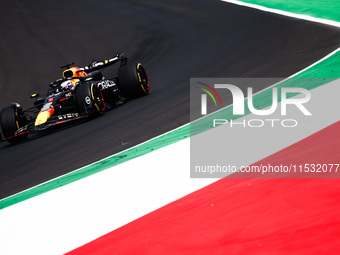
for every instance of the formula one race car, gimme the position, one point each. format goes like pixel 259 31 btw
pixel 82 93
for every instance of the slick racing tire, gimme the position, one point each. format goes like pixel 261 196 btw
pixel 90 100
pixel 12 119
pixel 133 81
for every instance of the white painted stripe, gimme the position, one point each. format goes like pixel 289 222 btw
pixel 73 215
pixel 285 13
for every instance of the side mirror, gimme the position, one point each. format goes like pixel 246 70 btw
pixel 34 95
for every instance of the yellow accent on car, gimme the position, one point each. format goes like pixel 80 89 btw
pixel 43 117
pixel 144 89
pixel 138 65
pixel 94 100
pixel 16 122
pixel 140 80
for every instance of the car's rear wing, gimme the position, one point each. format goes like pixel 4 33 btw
pixel 96 65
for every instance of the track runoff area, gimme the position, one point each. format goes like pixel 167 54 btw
pixel 192 215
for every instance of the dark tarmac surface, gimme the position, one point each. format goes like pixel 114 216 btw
pixel 175 40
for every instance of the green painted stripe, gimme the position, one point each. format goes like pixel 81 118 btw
pixel 324 9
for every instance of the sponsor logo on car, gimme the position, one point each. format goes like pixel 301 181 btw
pixel 68 116
pixel 105 84
pixel 21 130
pixel 87 100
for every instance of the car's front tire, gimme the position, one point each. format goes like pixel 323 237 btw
pixel 12 119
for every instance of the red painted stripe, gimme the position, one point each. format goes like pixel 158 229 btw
pixel 244 216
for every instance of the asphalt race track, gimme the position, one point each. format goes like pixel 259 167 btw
pixel 175 40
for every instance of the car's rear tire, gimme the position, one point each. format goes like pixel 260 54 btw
pixel 133 81
pixel 13 119
pixel 89 99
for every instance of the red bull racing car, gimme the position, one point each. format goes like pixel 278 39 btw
pixel 81 93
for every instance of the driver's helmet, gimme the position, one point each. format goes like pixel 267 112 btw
pixel 73 72
pixel 68 85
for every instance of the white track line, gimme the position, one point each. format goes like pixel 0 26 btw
pixel 285 13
